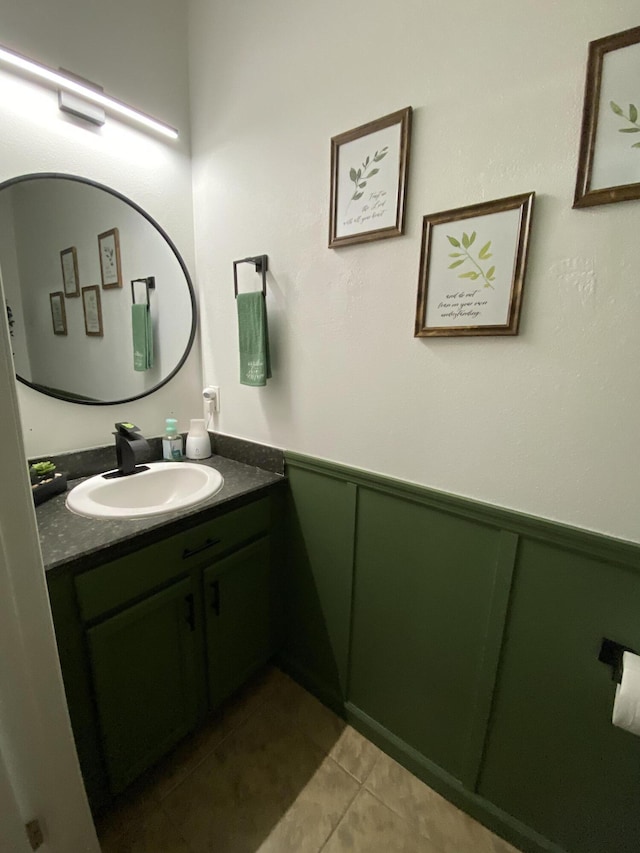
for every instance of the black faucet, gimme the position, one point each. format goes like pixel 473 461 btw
pixel 129 442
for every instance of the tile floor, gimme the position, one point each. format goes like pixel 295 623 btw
pixel 276 772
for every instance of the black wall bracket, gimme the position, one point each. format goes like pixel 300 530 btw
pixel 261 263
pixel 611 654
pixel 149 283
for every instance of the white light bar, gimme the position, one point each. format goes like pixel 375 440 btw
pixel 56 78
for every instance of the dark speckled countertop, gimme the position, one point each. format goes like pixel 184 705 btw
pixel 70 541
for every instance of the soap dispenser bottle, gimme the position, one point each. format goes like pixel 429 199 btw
pixel 172 442
pixel 198 441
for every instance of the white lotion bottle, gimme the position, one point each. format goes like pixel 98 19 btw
pixel 198 441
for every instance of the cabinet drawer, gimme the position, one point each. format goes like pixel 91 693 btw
pixel 116 583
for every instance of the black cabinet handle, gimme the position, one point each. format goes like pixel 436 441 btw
pixel 191 552
pixel 191 611
pixel 215 597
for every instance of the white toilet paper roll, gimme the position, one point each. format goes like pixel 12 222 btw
pixel 626 707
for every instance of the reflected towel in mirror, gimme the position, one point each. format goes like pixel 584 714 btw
pixel 142 337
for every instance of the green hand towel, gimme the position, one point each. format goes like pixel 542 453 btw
pixel 253 333
pixel 142 337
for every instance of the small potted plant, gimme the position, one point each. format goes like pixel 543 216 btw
pixel 45 482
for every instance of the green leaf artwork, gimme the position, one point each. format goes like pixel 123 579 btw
pixel 465 243
pixel 631 117
pixel 359 177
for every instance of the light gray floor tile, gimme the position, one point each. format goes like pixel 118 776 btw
pixel 371 827
pixel 449 828
pixel 315 812
pixel 148 830
pixel 355 753
pixel 190 753
pixel 303 710
pixel 128 809
pixel 275 771
pixel 247 786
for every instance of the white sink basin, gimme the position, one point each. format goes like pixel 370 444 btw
pixel 164 487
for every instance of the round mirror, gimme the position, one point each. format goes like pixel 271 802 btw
pixel 100 305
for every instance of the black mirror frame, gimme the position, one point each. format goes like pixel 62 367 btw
pixel 192 296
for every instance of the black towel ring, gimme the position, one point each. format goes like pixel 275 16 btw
pixel 149 283
pixel 261 263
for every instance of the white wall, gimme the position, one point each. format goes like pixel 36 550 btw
pixel 10 277
pixel 545 422
pixel 136 49
pixel 39 771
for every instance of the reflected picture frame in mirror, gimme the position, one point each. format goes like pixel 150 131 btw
pixel 69 263
pixel 110 266
pixel 94 364
pixel 58 314
pixel 92 307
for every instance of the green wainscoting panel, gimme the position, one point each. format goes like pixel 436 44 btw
pixel 553 758
pixel 421 603
pixel 494 639
pixel 317 580
pixel 562 535
pixel 467 638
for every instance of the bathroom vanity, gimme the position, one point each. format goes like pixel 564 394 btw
pixel 159 619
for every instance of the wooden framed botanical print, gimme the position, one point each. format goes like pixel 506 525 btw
pixel 609 159
pixel 369 167
pixel 109 245
pixel 472 268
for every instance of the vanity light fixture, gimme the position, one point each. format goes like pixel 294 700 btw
pixel 67 83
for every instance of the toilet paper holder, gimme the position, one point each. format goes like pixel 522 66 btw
pixel 611 654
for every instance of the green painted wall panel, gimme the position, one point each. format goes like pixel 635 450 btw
pixel 318 578
pixel 514 628
pixel 553 758
pixel 491 657
pixel 422 597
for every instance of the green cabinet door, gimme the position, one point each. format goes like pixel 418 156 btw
pixel 144 669
pixel 74 663
pixel 240 623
